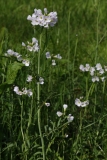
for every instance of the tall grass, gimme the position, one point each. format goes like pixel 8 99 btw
pixel 29 130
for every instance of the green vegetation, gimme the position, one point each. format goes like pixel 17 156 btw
pixel 29 129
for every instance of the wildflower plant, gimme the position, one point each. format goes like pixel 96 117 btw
pixel 45 20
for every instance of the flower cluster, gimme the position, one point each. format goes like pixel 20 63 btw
pixel 37 18
pixel 97 72
pixel 79 103
pixel 49 56
pixel 23 92
pixel 33 46
pixel 69 117
pixel 45 20
pixel 10 52
pixel 40 80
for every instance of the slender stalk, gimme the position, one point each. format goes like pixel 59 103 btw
pixel 96 56
pixel 69 38
pixel 24 148
pixel 38 103
pixel 97 36
pixel 76 43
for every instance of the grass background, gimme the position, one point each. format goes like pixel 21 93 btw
pixel 80 36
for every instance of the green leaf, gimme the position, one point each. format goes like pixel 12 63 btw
pixel 12 72
pixel 3 33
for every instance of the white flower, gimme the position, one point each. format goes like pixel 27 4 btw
pixel 101 71
pixel 26 62
pixel 29 78
pixel 65 107
pixel 33 47
pixel 58 56
pixel 85 103
pixel 10 52
pixel 23 44
pixel 41 80
pixel 19 57
pixel 98 66
pixel 48 55
pixel 70 118
pixel 59 114
pixel 34 40
pixel 16 89
pixel 82 68
pixel 47 104
pixel 53 16
pixel 92 70
pixel 16 54
pixel 87 67
pixel 80 103
pixel 95 78
pixel 53 62
pixel 29 92
pixel 66 135
pixel 77 102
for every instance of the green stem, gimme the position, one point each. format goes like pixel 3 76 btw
pixel 73 67
pixel 97 38
pixel 24 148
pixel 38 101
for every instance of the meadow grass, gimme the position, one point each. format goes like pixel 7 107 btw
pixel 29 130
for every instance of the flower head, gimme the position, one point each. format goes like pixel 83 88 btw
pixel 95 79
pixel 59 114
pixel 26 62
pixel 45 20
pixel 32 46
pixel 48 55
pixel 17 91
pixel 47 104
pixel 98 66
pixel 80 103
pixel 24 91
pixel 29 92
pixel 29 78
pixel 65 107
pixel 70 118
pixel 92 70
pixel 41 80
pixel 82 68
pixel 77 102
pixel 58 56
pixel 53 62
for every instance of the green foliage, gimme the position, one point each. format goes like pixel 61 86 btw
pixel 12 71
